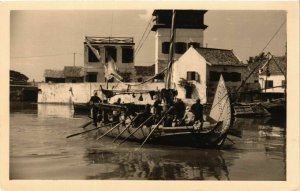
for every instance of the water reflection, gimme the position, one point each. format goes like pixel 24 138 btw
pixel 51 156
pixel 55 110
pixel 160 165
pixel 24 107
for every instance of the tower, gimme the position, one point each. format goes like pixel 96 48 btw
pixel 189 26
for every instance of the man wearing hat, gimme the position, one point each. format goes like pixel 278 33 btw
pixel 94 103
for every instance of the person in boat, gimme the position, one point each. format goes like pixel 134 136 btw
pixel 157 108
pixel 117 114
pixel 143 116
pixel 197 110
pixel 179 110
pixel 105 113
pixel 94 103
pixel 188 118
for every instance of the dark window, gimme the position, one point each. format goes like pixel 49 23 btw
pixel 165 46
pixel 269 84
pixel 255 81
pixel 214 76
pixel 188 92
pixel 112 52
pixel 127 55
pixel 180 47
pixel 126 76
pixel 283 83
pixel 228 76
pixel 140 79
pixel 91 55
pixel 194 44
pixel 91 77
pixel 193 76
pixel 234 76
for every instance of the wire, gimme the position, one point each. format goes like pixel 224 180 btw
pixel 273 36
pixel 112 21
pixel 142 40
pixel 149 22
pixel 41 56
pixel 142 43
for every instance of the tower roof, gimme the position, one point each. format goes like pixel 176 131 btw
pixel 187 19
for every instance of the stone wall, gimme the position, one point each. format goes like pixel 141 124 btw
pixel 66 93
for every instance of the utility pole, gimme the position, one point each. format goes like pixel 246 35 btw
pixel 74 58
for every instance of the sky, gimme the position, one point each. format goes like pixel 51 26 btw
pixel 45 39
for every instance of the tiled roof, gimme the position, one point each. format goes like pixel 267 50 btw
pixel 145 70
pixel 219 56
pixel 54 74
pixel 274 64
pixel 73 71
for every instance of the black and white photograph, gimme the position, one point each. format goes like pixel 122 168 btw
pixel 153 93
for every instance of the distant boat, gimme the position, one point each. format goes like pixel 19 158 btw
pixel 250 110
pixel 276 107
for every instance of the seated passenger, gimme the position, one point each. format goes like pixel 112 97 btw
pixel 116 113
pixel 179 109
pixel 143 116
pixel 189 117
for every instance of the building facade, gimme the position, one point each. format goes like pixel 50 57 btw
pixel 272 75
pixel 189 26
pixel 120 49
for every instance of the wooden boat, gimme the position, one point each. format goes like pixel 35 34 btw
pixel 277 108
pixel 250 110
pixel 213 133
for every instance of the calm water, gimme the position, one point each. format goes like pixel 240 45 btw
pixel 39 150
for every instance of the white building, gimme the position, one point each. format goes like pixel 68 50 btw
pixel 121 49
pixel 189 26
pixel 202 67
pixel 272 75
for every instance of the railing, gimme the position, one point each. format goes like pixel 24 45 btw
pixel 118 40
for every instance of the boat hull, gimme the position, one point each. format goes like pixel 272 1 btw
pixel 81 108
pixel 186 136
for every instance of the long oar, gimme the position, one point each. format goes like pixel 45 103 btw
pixel 86 124
pixel 109 131
pixel 165 115
pixel 125 128
pixel 136 129
pixel 82 132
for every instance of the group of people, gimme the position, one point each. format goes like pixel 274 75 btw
pixel 178 115
pixel 102 114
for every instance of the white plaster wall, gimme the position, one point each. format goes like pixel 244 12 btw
pixel 191 61
pixel 60 92
pixel 277 81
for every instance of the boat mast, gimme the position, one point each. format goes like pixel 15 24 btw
pixel 171 52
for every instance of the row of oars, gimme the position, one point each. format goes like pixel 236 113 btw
pixel 126 128
pixel 111 129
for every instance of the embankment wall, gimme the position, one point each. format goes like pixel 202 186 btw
pixel 66 93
